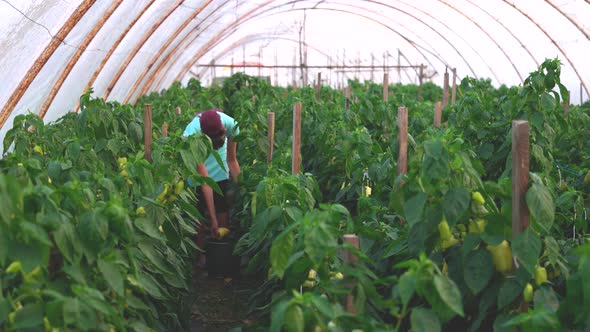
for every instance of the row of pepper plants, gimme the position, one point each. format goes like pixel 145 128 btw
pixel 436 253
pixel 93 237
pixel 97 238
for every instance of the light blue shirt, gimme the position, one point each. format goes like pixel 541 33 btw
pixel 216 172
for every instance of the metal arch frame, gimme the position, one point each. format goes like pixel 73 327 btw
pixel 221 37
pixel 175 55
pixel 42 59
pixel 163 48
pixel 552 41
pixel 252 38
pixel 489 36
pixel 76 56
pixel 491 70
pixel 111 51
pixel 572 21
pixel 139 45
pixel 147 82
pixel 507 30
pixel 448 28
pixel 147 85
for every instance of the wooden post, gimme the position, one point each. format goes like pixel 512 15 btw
pixel 165 129
pixel 437 114
pixel 296 150
pixel 319 86
pixel 271 137
pixel 454 89
pixel 402 122
pixel 566 105
pixel 349 258
pixel 420 80
pixel 581 93
pixel 177 111
pixel 347 97
pixel 445 100
pixel 520 176
pixel 385 86
pixel 147 131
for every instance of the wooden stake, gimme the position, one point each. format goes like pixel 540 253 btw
pixel 445 100
pixel 454 89
pixel 420 79
pixel 402 123
pixel 296 150
pixel 271 137
pixel 350 258
pixel 347 97
pixel 147 131
pixel 437 114
pixel 319 86
pixel 177 110
pixel 165 129
pixel 385 86
pixel 520 176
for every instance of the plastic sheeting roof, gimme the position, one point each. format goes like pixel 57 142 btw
pixel 53 51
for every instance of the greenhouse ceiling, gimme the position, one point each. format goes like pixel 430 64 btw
pixel 53 51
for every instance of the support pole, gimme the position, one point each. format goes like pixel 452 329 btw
pixel 420 81
pixel 445 100
pixel 147 131
pixel 402 122
pixel 437 114
pixel 177 111
pixel 165 130
pixel 319 86
pixel 271 137
pixel 296 150
pixel 347 97
pixel 385 86
pixel 350 258
pixel 520 176
pixel 454 90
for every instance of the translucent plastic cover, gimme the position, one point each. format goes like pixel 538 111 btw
pixel 53 51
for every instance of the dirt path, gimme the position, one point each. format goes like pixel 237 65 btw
pixel 221 304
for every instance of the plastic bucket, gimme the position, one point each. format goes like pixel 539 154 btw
pixel 221 262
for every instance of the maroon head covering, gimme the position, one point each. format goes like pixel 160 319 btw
pixel 211 123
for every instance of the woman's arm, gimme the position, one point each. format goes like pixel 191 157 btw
pixel 209 201
pixel 232 160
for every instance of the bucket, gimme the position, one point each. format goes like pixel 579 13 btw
pixel 221 262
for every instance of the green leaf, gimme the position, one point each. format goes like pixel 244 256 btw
pixel 30 316
pixel 277 315
pixel 406 287
pixel 281 250
pixel 149 227
pixel 456 203
pixel 449 293
pixel 479 269
pixel 112 275
pixel 323 305
pixel 541 206
pixel 68 242
pixel 54 170
pixel 319 241
pixel 526 247
pixel 93 229
pixel 414 208
pixel 509 291
pixel 424 320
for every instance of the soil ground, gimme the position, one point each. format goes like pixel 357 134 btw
pixel 221 303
